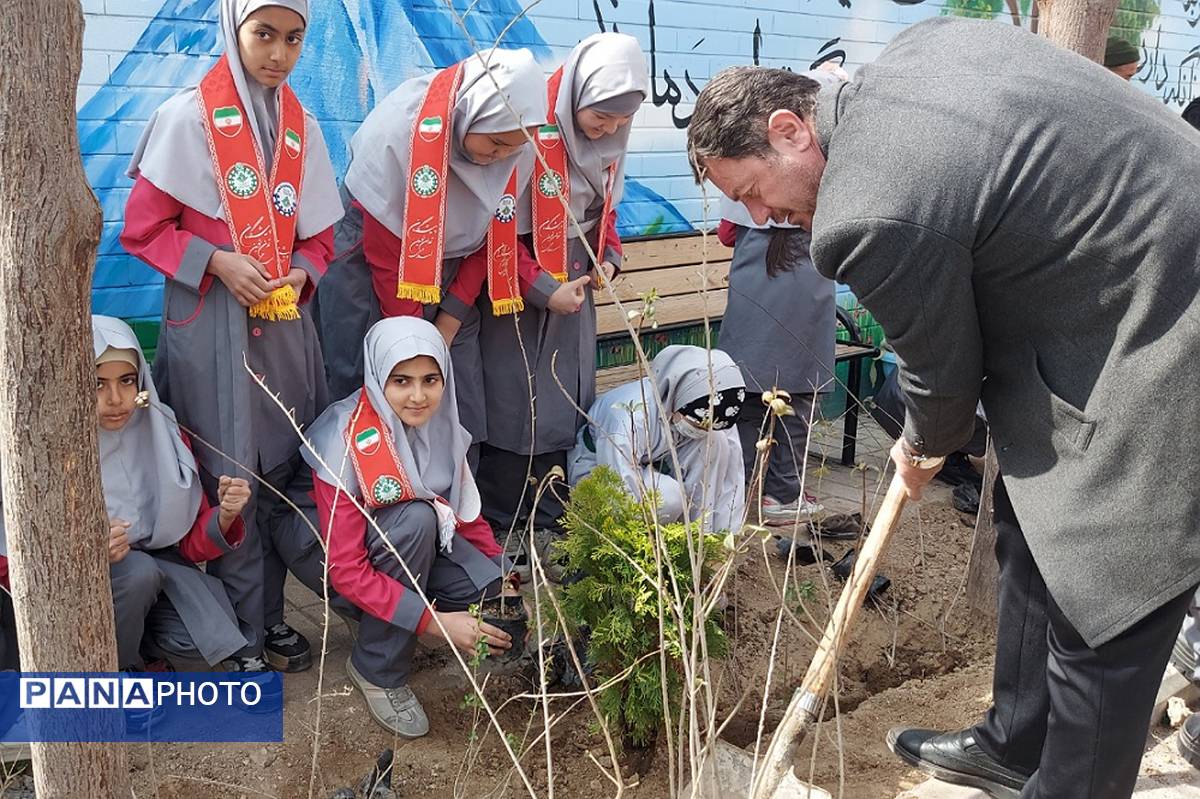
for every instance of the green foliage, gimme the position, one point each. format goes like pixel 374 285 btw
pixel 973 9
pixel 618 601
pixel 1133 18
pixel 800 593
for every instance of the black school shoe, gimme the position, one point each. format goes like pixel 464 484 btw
pixel 272 692
pixel 287 650
pixel 955 757
pixel 1189 740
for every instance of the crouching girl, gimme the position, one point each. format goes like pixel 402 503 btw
pixel 160 523
pixel 702 392
pixel 399 509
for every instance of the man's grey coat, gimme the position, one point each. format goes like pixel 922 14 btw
pixel 1023 224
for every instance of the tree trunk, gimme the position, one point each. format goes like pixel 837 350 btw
pixel 53 507
pixel 982 571
pixel 1079 25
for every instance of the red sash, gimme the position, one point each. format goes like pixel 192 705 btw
pixel 549 212
pixel 381 478
pixel 502 254
pixel 424 240
pixel 602 238
pixel 551 190
pixel 261 216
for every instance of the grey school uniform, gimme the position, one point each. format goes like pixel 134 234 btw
pixel 193 617
pixel 559 351
pixel 157 595
pixel 200 372
pixel 780 332
pixel 383 651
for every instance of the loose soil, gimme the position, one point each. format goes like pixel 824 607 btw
pixel 919 656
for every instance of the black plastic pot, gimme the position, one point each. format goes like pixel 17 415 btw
pixel 508 613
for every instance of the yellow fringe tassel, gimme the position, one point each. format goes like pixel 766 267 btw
pixel 561 277
pixel 279 305
pixel 502 307
pixel 426 295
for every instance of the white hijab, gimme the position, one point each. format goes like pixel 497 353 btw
pixel 681 373
pixel 149 475
pixel 434 455
pixel 173 152
pixel 378 172
pixel 604 67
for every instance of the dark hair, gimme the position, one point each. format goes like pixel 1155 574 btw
pixel 1191 114
pixel 786 248
pixel 729 120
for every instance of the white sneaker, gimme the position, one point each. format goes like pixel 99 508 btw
pixel 775 512
pixel 396 709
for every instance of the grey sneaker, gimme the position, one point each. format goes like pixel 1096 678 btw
pixel 1183 658
pixel 396 709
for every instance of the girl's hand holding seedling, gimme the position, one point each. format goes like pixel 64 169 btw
pixel 464 631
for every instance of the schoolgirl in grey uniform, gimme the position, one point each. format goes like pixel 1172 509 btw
pixel 178 220
pixel 602 84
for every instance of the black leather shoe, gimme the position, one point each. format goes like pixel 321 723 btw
pixel 1189 740
pixel 955 757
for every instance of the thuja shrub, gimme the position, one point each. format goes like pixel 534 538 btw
pixel 611 545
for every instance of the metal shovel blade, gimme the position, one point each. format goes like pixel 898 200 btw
pixel 726 775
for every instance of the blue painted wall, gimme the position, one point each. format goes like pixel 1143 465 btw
pixel 137 53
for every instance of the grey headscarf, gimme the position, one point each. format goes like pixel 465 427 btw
pixel 149 475
pixel 378 172
pixel 604 68
pixel 434 455
pixel 173 152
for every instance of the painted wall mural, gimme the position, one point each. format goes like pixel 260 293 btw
pixel 137 53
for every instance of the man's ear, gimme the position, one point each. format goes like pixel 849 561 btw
pixel 787 132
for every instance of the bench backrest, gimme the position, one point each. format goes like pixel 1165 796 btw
pixel 678 268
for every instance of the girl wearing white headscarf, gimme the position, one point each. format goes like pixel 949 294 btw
pixel 702 392
pixel 414 482
pixel 595 95
pixel 234 201
pixel 161 524
pixel 499 94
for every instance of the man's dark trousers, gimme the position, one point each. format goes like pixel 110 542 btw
pixel 1073 716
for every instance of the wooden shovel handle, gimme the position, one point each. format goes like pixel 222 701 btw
pixel 819 677
pixel 806 700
